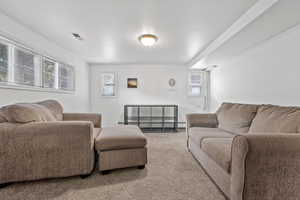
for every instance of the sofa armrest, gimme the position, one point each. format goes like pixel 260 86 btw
pixel 92 117
pixel 202 120
pixel 265 166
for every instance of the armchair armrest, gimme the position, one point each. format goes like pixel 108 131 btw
pixel 43 134
pixel 202 120
pixel 45 149
pixel 92 117
pixel 265 166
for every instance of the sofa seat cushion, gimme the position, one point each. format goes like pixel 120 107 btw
pixel 236 118
pixel 25 113
pixel 120 137
pixel 197 134
pixel 272 118
pixel 218 149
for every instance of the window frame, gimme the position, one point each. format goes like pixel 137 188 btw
pixel 38 69
pixel 115 85
pixel 8 60
pixel 55 72
pixel 73 78
pixel 190 84
pixel 36 66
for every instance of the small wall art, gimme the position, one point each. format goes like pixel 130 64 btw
pixel 132 83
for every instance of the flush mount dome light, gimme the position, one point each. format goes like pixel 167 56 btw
pixel 148 40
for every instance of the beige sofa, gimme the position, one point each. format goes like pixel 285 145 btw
pixel 39 141
pixel 251 152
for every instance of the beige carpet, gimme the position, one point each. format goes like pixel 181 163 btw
pixel 171 174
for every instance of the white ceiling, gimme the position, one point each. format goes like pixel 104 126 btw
pixel 110 28
pixel 282 16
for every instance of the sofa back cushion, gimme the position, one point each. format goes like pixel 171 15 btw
pixel 24 113
pixel 2 117
pixel 236 118
pixel 272 118
pixel 55 107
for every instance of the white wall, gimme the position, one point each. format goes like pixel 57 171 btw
pixel 152 89
pixel 79 101
pixel 268 73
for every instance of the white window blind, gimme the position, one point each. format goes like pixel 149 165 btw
pixel 198 87
pixel 25 64
pixel 108 85
pixel 49 73
pixel 66 77
pixel 23 68
pixel 194 84
pixel 3 63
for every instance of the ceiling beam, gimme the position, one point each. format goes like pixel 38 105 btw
pixel 253 13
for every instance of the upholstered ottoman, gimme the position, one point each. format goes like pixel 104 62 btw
pixel 120 147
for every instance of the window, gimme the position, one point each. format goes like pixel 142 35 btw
pixel 108 85
pixel 49 73
pixel 194 84
pixel 25 64
pixel 198 86
pixel 23 68
pixel 3 63
pixel 66 77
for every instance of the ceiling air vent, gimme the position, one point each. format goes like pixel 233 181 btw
pixel 77 36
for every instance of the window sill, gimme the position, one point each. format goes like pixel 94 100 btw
pixel 109 96
pixel 32 88
pixel 191 95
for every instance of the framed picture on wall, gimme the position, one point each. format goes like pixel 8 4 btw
pixel 132 83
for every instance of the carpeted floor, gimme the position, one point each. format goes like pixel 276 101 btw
pixel 171 174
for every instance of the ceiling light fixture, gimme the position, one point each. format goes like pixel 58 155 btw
pixel 148 40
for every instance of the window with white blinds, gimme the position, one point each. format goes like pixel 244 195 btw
pixel 108 85
pixel 3 63
pixel 25 69
pixel 25 64
pixel 49 73
pixel 66 77
pixel 198 88
pixel 195 84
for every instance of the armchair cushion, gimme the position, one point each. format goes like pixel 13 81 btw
pixel 24 113
pixel 236 118
pixel 55 107
pixel 2 117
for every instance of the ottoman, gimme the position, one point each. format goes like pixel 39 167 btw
pixel 120 147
